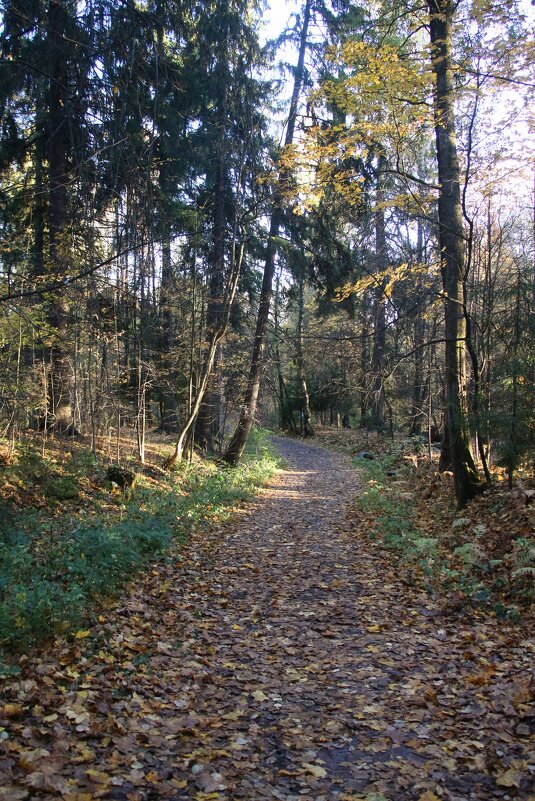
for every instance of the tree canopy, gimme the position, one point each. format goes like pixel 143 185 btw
pixel 188 246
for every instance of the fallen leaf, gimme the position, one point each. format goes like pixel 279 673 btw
pixel 180 784
pixel 316 770
pixel 209 782
pixel 79 797
pixel 12 792
pixel 98 776
pixel 511 778
pixel 47 779
pixel 11 710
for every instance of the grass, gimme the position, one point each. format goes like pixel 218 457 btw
pixel 79 542
pixel 394 518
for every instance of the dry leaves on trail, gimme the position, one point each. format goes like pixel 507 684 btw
pixel 278 658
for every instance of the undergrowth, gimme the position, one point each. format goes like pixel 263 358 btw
pixel 394 517
pixel 453 555
pixel 81 543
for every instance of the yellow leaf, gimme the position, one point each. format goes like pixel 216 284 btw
pixel 82 634
pixel 373 629
pixel 98 776
pixel 79 797
pixel 429 796
pixel 511 778
pixel 259 696
pixel 235 715
pixel 316 770
pixel 11 710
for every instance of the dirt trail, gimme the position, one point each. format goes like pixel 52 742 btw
pixel 286 660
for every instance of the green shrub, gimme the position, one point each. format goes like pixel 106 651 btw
pixel 52 570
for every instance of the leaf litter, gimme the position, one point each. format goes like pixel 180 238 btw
pixel 278 656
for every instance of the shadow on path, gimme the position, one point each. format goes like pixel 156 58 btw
pixel 280 657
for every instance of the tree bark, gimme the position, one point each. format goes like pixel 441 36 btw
pixel 418 389
pixel 363 393
pixel 208 422
pixel 60 377
pixel 168 400
pixel 379 331
pixel 451 241
pixel 306 416
pixel 216 337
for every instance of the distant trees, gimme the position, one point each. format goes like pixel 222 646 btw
pixel 377 99
pixel 130 164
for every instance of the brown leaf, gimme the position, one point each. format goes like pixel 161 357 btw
pixel 209 782
pixel 47 779
pixel 11 710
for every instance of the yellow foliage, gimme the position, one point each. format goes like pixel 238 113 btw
pixel 386 97
pixel 387 279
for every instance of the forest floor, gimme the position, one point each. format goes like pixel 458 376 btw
pixel 282 655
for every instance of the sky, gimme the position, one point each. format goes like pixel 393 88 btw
pixel 276 16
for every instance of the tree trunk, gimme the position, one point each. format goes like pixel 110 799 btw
pixel 216 337
pixel 379 331
pixel 308 430
pixel 60 376
pixel 418 389
pixel 208 422
pixel 451 242
pixel 237 444
pixel 169 407
pixel 364 368
pixel 286 419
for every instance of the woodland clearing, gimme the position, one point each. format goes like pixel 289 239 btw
pixel 283 654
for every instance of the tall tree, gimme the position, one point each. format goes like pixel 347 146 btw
pixel 238 441
pixel 452 255
pixel 58 150
pixel 379 333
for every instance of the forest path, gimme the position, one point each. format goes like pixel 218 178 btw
pixel 279 657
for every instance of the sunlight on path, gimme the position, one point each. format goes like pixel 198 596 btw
pixel 278 658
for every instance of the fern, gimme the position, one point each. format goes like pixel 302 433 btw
pixel 524 558
pixel 529 570
pixel 471 555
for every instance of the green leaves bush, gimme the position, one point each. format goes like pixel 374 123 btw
pixel 51 571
